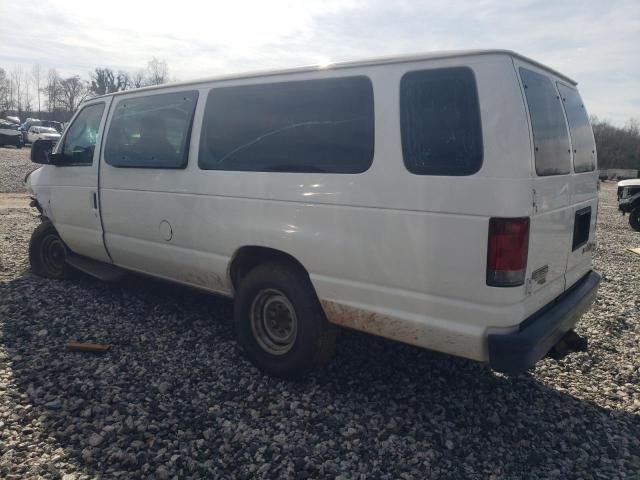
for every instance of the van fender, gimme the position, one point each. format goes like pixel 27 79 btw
pixel 40 193
pixel 247 257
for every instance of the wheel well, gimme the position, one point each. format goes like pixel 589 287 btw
pixel 247 258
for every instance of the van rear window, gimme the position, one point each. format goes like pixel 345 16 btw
pixel 550 137
pixel 313 126
pixel 440 122
pixel 584 149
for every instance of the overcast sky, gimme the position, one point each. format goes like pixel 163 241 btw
pixel 595 42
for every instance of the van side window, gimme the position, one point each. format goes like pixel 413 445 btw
pixel 584 149
pixel 151 131
pixel 550 137
pixel 324 126
pixel 80 140
pixel 440 122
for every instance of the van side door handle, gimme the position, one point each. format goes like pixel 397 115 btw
pixel 95 201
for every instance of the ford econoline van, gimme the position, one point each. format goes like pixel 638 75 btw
pixel 446 200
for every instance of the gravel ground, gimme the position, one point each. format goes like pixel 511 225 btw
pixel 175 399
pixel 14 165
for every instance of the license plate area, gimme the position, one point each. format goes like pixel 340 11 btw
pixel 581 226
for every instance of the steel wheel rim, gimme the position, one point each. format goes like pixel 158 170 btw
pixel 53 253
pixel 274 323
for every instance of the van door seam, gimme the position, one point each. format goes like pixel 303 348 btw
pixel 100 153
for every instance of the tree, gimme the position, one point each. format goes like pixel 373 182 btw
pixel 124 81
pixel 26 105
pixel 4 91
pixel 36 74
pixel 16 89
pixel 105 80
pixel 137 79
pixel 617 147
pixel 157 72
pixel 53 89
pixel 73 90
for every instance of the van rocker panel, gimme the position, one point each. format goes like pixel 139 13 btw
pixel 518 351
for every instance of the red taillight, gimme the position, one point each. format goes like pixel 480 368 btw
pixel 507 251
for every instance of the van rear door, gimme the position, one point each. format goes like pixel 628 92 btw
pixel 550 232
pixel 564 184
pixel 583 184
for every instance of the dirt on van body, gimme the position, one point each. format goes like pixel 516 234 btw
pixel 174 397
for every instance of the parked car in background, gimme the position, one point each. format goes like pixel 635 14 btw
pixel 42 133
pixel 28 123
pixel 629 201
pixel 446 200
pixel 50 123
pixel 10 135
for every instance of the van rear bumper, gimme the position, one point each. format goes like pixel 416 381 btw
pixel 518 351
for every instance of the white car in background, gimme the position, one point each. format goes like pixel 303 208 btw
pixel 41 133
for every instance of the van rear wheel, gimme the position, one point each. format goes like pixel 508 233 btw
pixel 47 252
pixel 279 323
pixel 634 219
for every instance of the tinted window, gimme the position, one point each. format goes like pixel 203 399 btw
pixel 440 122
pixel 151 131
pixel 584 150
pixel 306 126
pixel 550 138
pixel 80 141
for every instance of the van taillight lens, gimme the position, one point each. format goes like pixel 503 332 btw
pixel 507 251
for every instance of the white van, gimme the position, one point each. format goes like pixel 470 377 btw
pixel 446 200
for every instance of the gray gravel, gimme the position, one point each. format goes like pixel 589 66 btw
pixel 175 399
pixel 14 165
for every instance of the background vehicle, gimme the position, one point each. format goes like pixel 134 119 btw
pixel 28 123
pixel 10 135
pixel 52 124
pixel 629 201
pixel 42 133
pixel 445 200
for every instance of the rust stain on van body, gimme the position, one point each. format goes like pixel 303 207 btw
pixel 372 322
pixel 208 281
pixel 398 329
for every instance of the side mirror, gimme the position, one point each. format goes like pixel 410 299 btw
pixel 41 153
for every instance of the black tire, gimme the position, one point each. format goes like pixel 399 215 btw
pixel 284 287
pixel 47 252
pixel 634 219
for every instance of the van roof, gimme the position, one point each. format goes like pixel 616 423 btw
pixel 353 64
